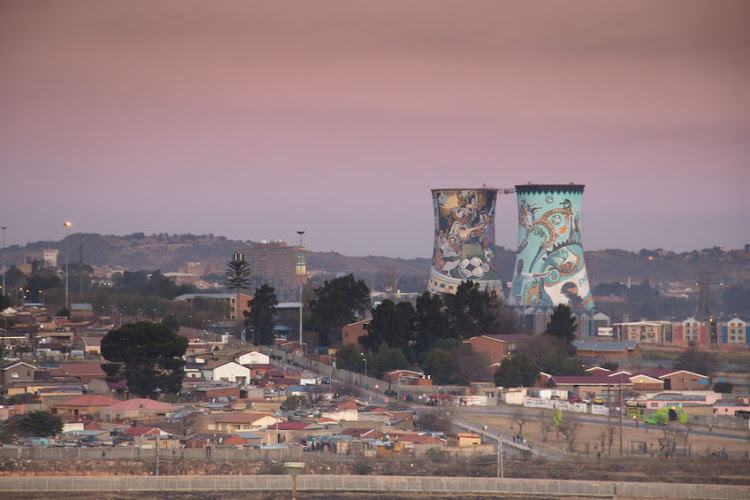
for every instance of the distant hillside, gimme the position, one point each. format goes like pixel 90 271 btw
pixel 168 252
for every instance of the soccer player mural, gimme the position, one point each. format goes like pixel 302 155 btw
pixel 464 246
pixel 550 269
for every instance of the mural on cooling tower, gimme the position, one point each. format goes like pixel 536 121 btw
pixel 464 238
pixel 549 263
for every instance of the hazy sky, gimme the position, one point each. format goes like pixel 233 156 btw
pixel 255 119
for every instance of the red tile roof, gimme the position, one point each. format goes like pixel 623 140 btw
pixel 141 431
pixel 88 400
pixel 288 426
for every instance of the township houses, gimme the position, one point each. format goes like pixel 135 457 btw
pixel 287 432
pixel 138 408
pixel 733 408
pixel 240 421
pixel 228 371
pixel 695 400
pixel 498 347
pixel 406 377
pixel 86 406
pixel 252 358
pixel 208 439
pixel 600 381
pixel 146 437
pixel 16 371
pixel 609 350
pixel 83 372
pixel 92 345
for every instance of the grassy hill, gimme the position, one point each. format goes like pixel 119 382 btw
pixel 168 252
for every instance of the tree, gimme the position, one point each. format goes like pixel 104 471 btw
pixel 471 311
pixel 696 361
pixel 562 325
pixel 170 321
pixel 610 365
pixel 163 286
pixel 260 319
pixel 557 364
pixel 471 366
pixel 337 303
pixel 430 323
pixel 435 420
pixel 147 355
pixel 439 365
pixel 238 277
pixel 41 423
pixel 723 387
pixel 520 418
pixel 391 323
pixel 387 359
pixel 517 371
pixel 350 358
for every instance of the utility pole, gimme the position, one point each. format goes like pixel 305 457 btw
pixel 609 422
pixel 157 453
pixel 67 245
pixel 301 268
pixel 4 228
pixel 620 412
pixel 500 465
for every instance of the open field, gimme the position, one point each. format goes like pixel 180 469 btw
pixel 592 438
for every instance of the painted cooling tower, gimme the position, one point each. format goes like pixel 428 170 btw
pixel 464 239
pixel 549 263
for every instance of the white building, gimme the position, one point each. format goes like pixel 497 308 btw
pixel 253 358
pixel 228 371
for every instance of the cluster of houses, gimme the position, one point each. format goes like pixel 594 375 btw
pixel 642 393
pixel 237 401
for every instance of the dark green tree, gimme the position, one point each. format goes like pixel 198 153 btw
pixel 439 365
pixel 147 355
pixel 260 319
pixel 41 423
pixel 724 387
pixel 163 287
pixel 391 323
pixel 431 323
pixel 610 365
pixel 471 365
pixel 238 277
pixel 170 321
pixel 349 357
pixel 562 326
pixel 517 371
pixel 135 281
pixel 472 311
pixel 387 359
pixel 338 302
pixel 696 361
pixel 559 364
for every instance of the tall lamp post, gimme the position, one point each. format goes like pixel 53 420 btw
pixel 67 305
pixel 4 228
pixel 301 271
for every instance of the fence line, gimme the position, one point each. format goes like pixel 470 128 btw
pixel 414 484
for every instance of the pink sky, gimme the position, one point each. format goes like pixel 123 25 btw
pixel 255 119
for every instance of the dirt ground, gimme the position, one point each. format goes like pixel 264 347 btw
pixel 591 439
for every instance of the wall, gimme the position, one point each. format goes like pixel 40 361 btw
pixel 414 484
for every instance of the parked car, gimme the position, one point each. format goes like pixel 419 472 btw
pixel 573 399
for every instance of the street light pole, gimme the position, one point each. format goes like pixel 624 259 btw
pixel 4 228
pixel 67 305
pixel 300 274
